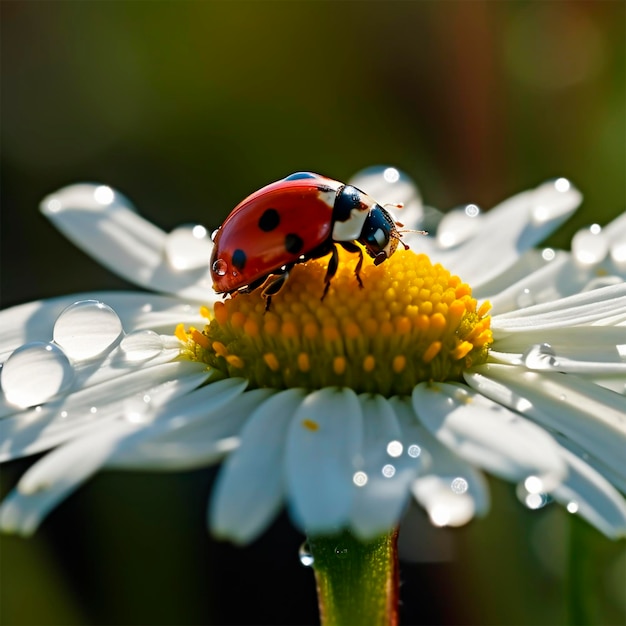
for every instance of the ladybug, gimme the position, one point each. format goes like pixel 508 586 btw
pixel 303 216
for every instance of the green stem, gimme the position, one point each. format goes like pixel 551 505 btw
pixel 357 581
pixel 579 579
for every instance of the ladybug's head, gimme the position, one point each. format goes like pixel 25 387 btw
pixel 379 234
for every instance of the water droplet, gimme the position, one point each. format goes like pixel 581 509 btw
pixel 590 246
pixel 572 507
pixel 548 254
pixel 532 499
pixel 388 470
pixel 554 199
pixel 360 479
pixel 141 345
pixel 389 185
pixel 35 373
pixel 414 450
pixel 458 226
pixel 188 247
pixel 394 448
pixel 525 298
pixel 305 555
pixel 540 357
pixel 459 485
pixel 341 552
pixel 86 329
pixel 220 267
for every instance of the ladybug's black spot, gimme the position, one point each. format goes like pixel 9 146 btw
pixel 300 175
pixel 269 220
pixel 239 259
pixel 293 243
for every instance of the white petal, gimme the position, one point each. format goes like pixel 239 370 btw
pixel 323 445
pixel 43 427
pixel 386 472
pixel 192 431
pixel 514 226
pixel 584 343
pixel 593 417
pixel 59 473
pixel 487 434
pixel 115 235
pixel 448 487
pixel 600 306
pixel 250 488
pixel 589 494
pixel 34 321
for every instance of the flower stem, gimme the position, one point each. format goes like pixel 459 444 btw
pixel 580 579
pixel 357 581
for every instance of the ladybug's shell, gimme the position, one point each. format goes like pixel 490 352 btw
pixel 274 226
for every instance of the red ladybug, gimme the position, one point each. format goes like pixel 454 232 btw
pixel 303 216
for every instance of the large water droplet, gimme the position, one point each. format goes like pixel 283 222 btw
pixel 220 267
pixel 525 298
pixel 389 185
pixel 188 247
pixel 590 246
pixel 141 345
pixel 86 329
pixel 35 373
pixel 555 198
pixel 458 226
pixel 305 555
pixel 540 357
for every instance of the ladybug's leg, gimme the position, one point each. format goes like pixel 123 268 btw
pixel 352 247
pixel 333 264
pixel 274 284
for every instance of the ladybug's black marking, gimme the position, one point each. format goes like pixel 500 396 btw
pixel 239 259
pixel 269 220
pixel 348 198
pixel 300 176
pixel 293 243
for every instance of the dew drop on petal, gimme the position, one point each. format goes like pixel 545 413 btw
pixel 388 470
pixel 414 451
pixel 305 555
pixel 86 329
pixel 360 479
pixel 35 373
pixel 590 246
pixel 394 448
pixel 540 357
pixel 141 345
pixel 555 198
pixel 459 485
pixel 188 247
pixel 529 497
pixel 572 507
pixel 458 226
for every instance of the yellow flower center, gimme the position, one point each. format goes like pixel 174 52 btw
pixel 412 321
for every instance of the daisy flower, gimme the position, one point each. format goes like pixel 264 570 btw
pixel 471 352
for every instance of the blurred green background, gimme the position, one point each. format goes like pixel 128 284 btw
pixel 186 107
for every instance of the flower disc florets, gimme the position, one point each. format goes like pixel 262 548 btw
pixel 412 321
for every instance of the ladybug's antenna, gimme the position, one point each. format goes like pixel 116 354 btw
pixel 398 234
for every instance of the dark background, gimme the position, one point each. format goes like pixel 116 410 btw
pixel 187 107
